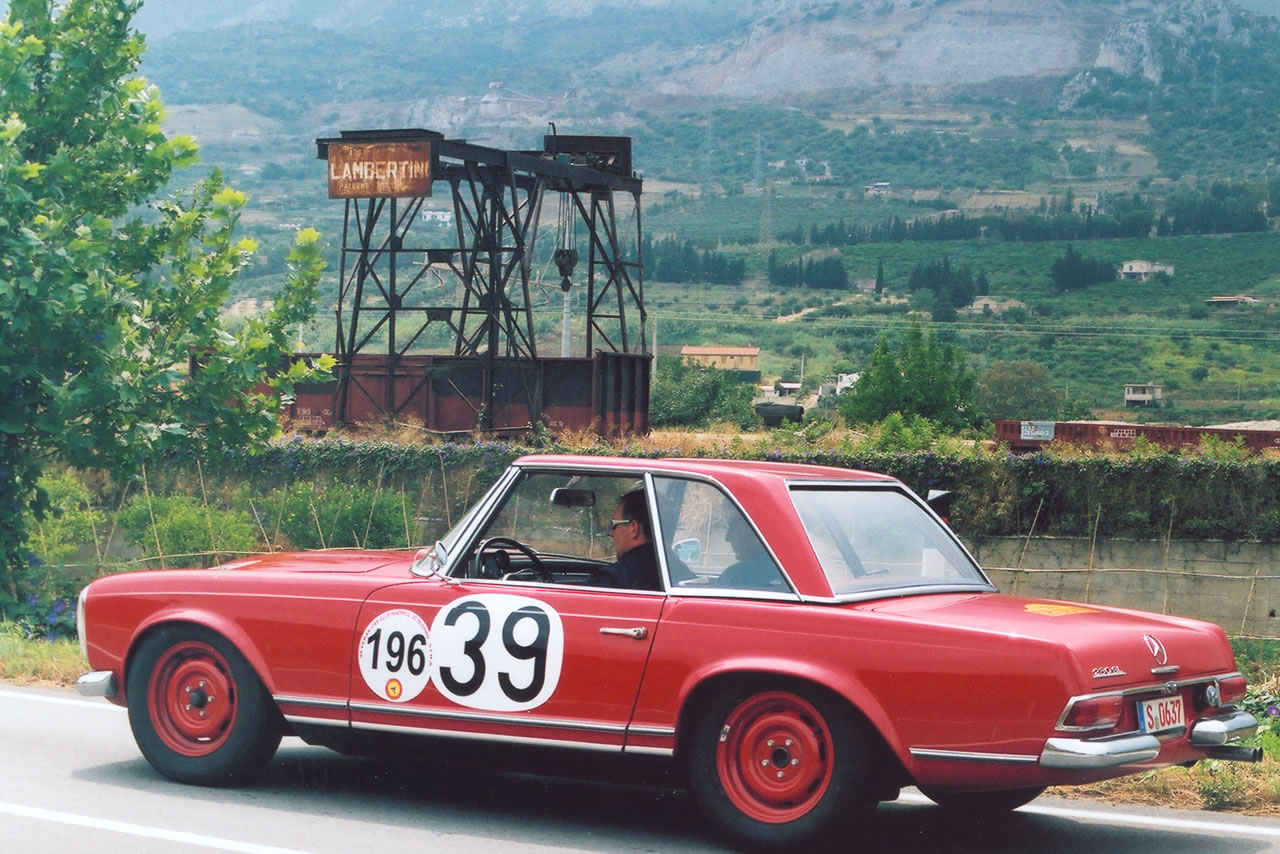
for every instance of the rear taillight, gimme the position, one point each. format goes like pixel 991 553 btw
pixel 1225 691
pixel 1092 713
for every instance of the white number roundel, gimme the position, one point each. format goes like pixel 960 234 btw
pixel 395 655
pixel 497 652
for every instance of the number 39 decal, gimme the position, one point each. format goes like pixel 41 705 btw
pixel 497 652
pixel 494 652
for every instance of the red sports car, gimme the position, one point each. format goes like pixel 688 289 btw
pixel 801 640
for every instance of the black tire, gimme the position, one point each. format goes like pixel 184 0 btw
pixel 198 711
pixel 984 804
pixel 781 767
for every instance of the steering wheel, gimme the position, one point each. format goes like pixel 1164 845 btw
pixel 536 567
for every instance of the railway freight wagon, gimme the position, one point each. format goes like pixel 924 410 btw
pixel 1027 436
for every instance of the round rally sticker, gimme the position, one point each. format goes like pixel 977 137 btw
pixel 497 652
pixel 395 655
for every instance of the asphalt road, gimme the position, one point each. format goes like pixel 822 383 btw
pixel 71 780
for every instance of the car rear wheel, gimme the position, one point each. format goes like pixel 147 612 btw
pixel 198 711
pixel 984 803
pixel 780 767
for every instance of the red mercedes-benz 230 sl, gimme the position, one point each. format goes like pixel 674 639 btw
pixel 801 641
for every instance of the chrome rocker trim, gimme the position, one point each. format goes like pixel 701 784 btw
pixel 99 683
pixel 1215 732
pixel 1081 754
pixel 973 756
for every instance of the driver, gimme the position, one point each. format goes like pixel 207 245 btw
pixel 636 567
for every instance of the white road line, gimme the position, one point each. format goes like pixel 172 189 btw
pixel 142 830
pixel 61 701
pixel 1133 820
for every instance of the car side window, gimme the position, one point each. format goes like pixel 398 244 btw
pixel 706 534
pixel 560 528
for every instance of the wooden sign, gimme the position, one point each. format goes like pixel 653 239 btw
pixel 370 169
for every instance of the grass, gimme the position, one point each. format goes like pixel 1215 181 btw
pixel 1211 785
pixel 38 662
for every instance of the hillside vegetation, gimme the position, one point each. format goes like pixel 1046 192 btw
pixel 756 131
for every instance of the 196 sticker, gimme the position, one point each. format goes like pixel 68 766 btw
pixel 395 655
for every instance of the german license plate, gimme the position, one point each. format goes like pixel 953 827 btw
pixel 1160 715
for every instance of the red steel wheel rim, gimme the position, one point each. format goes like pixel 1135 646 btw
pixel 775 757
pixel 191 698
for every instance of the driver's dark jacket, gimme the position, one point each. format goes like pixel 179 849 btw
pixel 635 570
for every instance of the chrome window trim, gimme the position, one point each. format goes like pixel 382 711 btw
pixel 533 583
pixel 727 592
pixel 647 474
pixel 734 593
pixel 1178 685
pixel 897 593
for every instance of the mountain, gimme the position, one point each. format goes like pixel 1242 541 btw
pixel 1190 80
pixel 690 48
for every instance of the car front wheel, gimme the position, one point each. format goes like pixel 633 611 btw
pixel 198 711
pixel 780 767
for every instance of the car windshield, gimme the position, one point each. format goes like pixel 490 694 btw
pixel 879 538
pixel 577 523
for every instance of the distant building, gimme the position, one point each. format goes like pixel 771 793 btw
pixel 983 305
pixel 743 361
pixel 864 285
pixel 1235 300
pixel 1142 271
pixel 880 188
pixel 443 217
pixel 1143 394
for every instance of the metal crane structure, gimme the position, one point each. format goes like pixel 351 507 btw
pixel 446 333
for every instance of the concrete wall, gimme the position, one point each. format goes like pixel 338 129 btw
pixel 1235 585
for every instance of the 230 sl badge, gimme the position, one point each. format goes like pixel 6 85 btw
pixel 1104 672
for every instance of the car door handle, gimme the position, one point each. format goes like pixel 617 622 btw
pixel 639 632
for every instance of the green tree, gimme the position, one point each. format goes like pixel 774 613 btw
pixel 107 291
pixel 923 377
pixel 878 391
pixel 1020 388
pixel 1074 270
pixel 686 395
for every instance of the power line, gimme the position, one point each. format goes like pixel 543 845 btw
pixel 1036 330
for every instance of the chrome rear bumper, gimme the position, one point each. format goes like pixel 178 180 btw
pixel 1212 732
pixel 1087 754
pixel 1078 753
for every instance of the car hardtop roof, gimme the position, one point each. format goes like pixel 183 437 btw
pixel 714 468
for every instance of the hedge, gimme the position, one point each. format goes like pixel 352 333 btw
pixel 385 494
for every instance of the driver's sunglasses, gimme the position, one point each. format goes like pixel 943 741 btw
pixel 614 523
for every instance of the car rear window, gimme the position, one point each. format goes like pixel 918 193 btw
pixel 874 538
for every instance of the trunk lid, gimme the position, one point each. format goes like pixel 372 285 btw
pixel 1115 647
